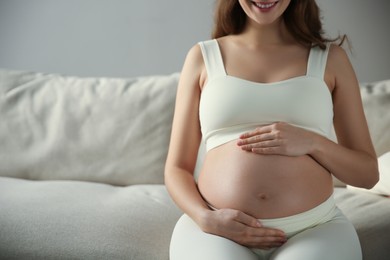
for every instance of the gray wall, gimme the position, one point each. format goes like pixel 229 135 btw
pixel 367 25
pixel 101 37
pixel 123 38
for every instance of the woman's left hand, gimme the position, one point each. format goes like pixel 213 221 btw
pixel 278 138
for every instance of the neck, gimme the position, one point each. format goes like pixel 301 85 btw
pixel 271 34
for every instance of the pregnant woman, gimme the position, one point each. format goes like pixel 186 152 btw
pixel 263 96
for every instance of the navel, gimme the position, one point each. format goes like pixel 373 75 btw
pixel 262 196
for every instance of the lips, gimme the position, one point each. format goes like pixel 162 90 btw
pixel 265 5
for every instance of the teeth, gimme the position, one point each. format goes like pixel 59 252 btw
pixel 265 5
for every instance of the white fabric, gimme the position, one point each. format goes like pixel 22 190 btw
pixel 84 220
pixel 106 130
pixel 383 186
pixel 332 238
pixel 369 213
pixel 80 220
pixel 376 102
pixel 230 106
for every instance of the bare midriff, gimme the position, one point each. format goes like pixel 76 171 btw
pixel 263 186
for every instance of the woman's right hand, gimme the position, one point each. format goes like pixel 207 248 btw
pixel 241 228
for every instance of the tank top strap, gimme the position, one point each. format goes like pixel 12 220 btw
pixel 212 58
pixel 317 61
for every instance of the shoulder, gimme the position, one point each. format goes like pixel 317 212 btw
pixel 194 54
pixel 194 62
pixel 193 68
pixel 337 55
pixel 339 67
pixel 338 60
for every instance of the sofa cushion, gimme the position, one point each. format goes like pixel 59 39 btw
pixel 81 220
pixel 369 213
pixel 383 185
pixel 376 102
pixel 108 130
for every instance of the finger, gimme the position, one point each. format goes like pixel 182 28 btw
pixel 256 139
pixel 267 150
pixel 267 241
pixel 266 147
pixel 270 234
pixel 257 131
pixel 266 234
pixel 262 144
pixel 247 220
pixel 262 237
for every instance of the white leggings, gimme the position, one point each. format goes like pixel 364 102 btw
pixel 321 233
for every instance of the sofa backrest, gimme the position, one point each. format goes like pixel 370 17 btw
pixel 107 130
pixel 376 103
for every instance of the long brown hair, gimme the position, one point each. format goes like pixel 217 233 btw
pixel 302 19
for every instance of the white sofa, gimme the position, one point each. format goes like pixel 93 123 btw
pixel 81 168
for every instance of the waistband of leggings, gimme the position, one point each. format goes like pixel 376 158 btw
pixel 310 218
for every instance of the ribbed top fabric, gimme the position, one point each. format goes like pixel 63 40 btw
pixel 230 106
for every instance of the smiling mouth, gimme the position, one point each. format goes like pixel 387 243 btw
pixel 265 5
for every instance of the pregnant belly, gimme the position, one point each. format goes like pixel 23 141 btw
pixel 263 186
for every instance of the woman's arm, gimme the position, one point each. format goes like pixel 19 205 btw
pixel 185 140
pixel 352 159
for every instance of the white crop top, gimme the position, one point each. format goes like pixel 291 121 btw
pixel 230 106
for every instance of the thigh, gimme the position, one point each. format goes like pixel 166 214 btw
pixel 191 243
pixel 336 240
